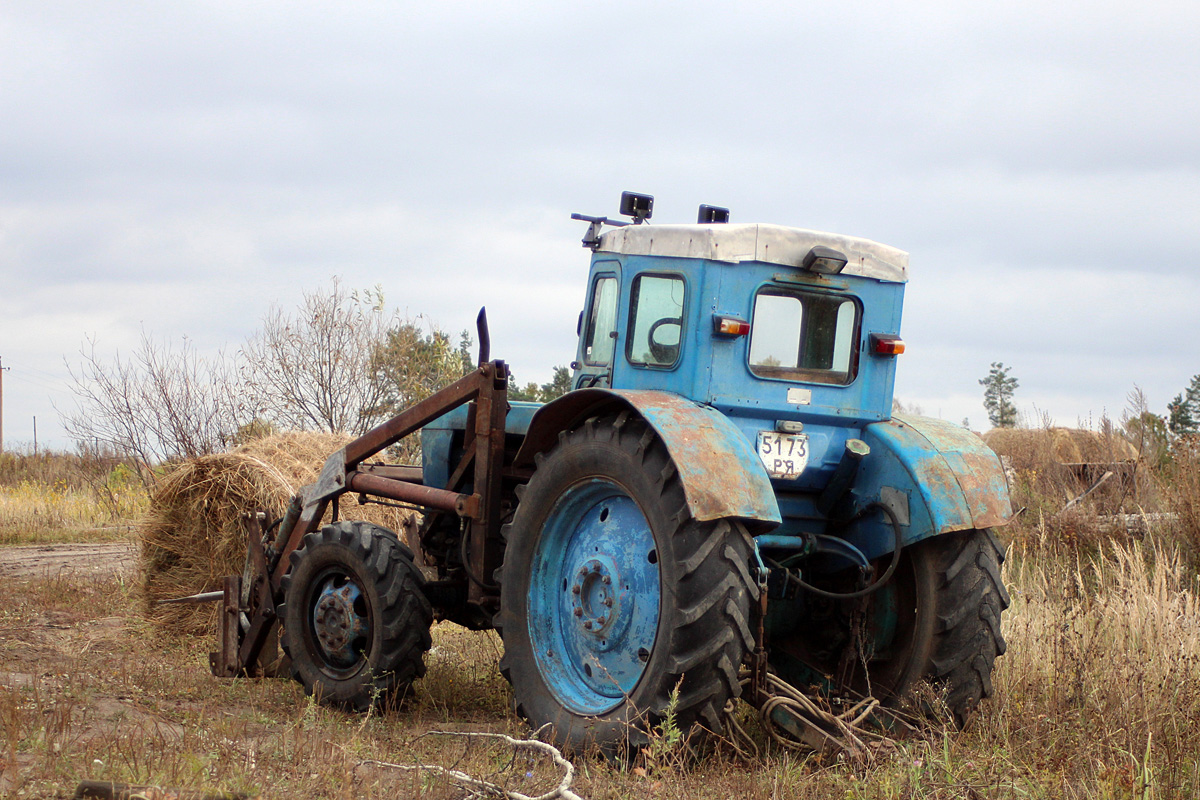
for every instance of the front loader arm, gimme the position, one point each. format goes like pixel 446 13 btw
pixel 269 561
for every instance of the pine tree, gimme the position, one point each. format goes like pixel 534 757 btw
pixel 559 385
pixel 1192 399
pixel 1180 419
pixel 997 396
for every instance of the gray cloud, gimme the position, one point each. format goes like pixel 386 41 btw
pixel 183 166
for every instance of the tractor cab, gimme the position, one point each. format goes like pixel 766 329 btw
pixel 790 333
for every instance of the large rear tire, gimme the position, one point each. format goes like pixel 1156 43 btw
pixel 612 595
pixel 970 599
pixel 937 621
pixel 355 618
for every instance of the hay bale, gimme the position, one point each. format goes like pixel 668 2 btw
pixel 1078 446
pixel 192 536
pixel 1036 448
pixel 1024 449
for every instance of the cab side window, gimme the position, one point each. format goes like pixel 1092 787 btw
pixel 655 320
pixel 600 338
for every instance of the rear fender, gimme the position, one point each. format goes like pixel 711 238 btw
pixel 937 477
pixel 721 474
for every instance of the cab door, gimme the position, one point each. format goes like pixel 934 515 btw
pixel 598 330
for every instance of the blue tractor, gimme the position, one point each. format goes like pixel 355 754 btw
pixel 725 501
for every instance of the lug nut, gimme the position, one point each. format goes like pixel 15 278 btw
pixel 596 567
pixel 588 624
pixel 576 589
pixel 578 611
pixel 601 620
pixel 608 602
pixel 605 580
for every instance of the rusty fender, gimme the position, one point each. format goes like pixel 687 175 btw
pixel 721 474
pixel 936 476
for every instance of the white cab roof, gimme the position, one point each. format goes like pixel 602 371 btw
pixel 772 244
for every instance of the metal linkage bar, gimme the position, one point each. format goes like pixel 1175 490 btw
pixel 488 388
pixel 484 540
pixel 464 505
pixel 416 417
pixel 316 496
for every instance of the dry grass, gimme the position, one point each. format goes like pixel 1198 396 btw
pixel 1102 680
pixel 51 497
pixel 1098 696
pixel 192 536
pixel 31 511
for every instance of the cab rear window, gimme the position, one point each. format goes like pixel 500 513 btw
pixel 804 336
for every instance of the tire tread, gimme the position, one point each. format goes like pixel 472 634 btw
pixel 971 600
pixel 405 616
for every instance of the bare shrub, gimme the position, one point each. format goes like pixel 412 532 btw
pixel 313 370
pixel 340 364
pixel 1179 483
pixel 161 404
pixel 1145 430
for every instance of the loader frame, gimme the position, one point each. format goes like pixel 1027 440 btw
pixel 474 493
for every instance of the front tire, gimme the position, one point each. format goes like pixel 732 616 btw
pixel 355 617
pixel 612 595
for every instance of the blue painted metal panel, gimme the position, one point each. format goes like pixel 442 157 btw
pixel 715 370
pixel 438 436
pixel 938 476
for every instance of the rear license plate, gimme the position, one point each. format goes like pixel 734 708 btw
pixel 785 455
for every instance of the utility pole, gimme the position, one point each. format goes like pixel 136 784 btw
pixel 2 369
pixel 35 435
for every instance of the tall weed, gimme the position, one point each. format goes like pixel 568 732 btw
pixel 1102 678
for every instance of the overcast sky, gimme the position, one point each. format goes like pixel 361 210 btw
pixel 178 167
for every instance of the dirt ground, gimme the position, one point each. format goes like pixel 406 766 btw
pixel 45 560
pixel 91 691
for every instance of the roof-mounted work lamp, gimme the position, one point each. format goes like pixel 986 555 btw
pixel 712 215
pixel 638 206
pixel 824 260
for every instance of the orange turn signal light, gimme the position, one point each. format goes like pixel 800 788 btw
pixel 729 326
pixel 886 345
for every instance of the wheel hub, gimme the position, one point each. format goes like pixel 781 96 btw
pixel 595 599
pixel 337 623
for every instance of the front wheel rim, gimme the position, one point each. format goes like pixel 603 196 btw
pixel 339 617
pixel 594 595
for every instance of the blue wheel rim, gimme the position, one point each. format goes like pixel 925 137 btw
pixel 341 622
pixel 594 593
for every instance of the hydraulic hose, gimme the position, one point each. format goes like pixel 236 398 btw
pixel 887 573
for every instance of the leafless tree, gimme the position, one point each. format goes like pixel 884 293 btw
pixel 161 403
pixel 340 363
pixel 314 369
